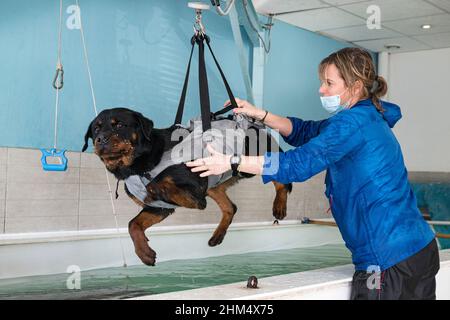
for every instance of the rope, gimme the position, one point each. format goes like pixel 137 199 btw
pixel 86 60
pixel 58 69
pixel 55 135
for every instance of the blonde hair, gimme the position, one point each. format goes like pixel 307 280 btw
pixel 356 64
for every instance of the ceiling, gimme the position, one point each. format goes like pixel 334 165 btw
pixel 346 20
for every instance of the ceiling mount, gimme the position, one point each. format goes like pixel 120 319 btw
pixel 392 46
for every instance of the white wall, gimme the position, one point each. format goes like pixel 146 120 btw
pixel 420 83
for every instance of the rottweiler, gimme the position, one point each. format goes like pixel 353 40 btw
pixel 128 144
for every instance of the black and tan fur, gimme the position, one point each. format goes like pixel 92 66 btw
pixel 128 144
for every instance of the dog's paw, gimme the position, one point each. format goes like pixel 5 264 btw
pixel 147 255
pixel 279 211
pixel 216 239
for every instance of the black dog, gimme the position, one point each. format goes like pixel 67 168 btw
pixel 128 144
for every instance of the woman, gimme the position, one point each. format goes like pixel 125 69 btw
pixel 393 248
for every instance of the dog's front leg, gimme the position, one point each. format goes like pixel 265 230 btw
pixel 279 208
pixel 136 227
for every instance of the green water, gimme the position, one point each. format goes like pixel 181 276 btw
pixel 176 275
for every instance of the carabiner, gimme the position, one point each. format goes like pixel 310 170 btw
pixel 198 25
pixel 58 75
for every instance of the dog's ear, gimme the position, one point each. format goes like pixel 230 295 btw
pixel 87 136
pixel 146 125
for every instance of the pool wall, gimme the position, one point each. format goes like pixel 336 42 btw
pixel 53 252
pixel 33 200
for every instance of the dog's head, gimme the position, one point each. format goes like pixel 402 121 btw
pixel 119 135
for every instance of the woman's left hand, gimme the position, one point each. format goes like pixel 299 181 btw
pixel 215 164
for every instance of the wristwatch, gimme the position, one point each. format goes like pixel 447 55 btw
pixel 235 161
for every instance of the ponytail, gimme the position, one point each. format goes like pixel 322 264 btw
pixel 378 90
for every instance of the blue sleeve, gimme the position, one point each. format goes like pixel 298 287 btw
pixel 303 131
pixel 334 142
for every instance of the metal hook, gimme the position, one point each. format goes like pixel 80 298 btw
pixel 58 75
pixel 252 282
pixel 199 28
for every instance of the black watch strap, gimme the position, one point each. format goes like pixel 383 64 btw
pixel 235 162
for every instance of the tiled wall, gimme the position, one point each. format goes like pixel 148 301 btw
pixel 34 200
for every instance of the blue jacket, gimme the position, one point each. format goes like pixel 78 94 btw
pixel 366 181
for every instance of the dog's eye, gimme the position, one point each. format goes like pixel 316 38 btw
pixel 96 129
pixel 119 125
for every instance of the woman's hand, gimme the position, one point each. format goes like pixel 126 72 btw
pixel 247 108
pixel 215 164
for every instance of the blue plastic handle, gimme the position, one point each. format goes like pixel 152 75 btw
pixel 52 166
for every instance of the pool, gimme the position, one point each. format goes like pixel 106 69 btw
pixel 175 275
pixel 435 198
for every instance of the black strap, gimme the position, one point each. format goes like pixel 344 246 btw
pixel 203 85
pixel 224 110
pixel 179 116
pixel 227 86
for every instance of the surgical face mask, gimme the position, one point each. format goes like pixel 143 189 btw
pixel 333 105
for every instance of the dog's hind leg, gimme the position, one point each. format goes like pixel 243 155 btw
pixel 228 208
pixel 280 203
pixel 136 227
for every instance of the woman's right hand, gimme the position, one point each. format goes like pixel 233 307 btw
pixel 247 108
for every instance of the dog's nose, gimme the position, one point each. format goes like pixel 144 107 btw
pixel 102 139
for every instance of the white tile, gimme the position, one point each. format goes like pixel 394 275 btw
pixel 443 4
pixel 2 209
pixel 440 23
pixel 341 2
pixel 316 206
pixel 100 222
pixel 96 176
pixel 3 173
pixel 358 33
pixel 2 190
pixel 322 19
pixel 24 157
pixel 47 191
pixel 35 174
pixel 438 40
pixel 101 192
pixel 104 207
pixel 73 159
pixel 41 208
pixel 269 6
pixel 3 156
pixel 394 10
pixel 91 160
pixel 296 202
pixel 41 224
pixel 406 44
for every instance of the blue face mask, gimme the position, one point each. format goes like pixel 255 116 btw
pixel 333 105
